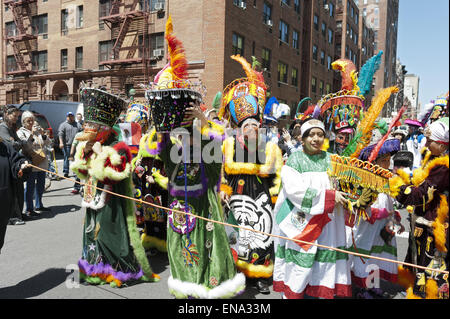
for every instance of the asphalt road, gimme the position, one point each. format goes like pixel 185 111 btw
pixel 39 258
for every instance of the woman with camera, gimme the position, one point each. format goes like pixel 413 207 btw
pixel 35 136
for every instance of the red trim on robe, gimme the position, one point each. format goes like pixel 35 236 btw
pixel 361 282
pixel 314 227
pixel 339 290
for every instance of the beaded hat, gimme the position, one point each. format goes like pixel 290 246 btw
pixel 101 107
pixel 171 93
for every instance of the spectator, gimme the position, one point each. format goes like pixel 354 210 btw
pixel 8 129
pixel 293 143
pixel 31 132
pixel 12 165
pixel 66 133
pixel 80 118
pixel 76 186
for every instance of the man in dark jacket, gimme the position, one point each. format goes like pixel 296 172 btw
pixel 12 167
pixel 8 133
pixel 66 133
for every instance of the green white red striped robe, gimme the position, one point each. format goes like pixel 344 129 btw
pixel 369 242
pixel 305 210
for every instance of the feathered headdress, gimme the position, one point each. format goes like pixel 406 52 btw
pixel 253 85
pixel 341 110
pixel 395 122
pixel 217 101
pixel 367 72
pixel 348 73
pixel 367 124
pixel 176 69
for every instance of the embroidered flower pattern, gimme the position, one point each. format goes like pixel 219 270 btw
pixel 213 281
pixel 209 226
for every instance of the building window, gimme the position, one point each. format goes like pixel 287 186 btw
pixel 297 6
pixel 267 13
pixel 329 62
pixel 316 22
pixel 331 8
pixel 288 2
pixel 294 77
pixel 240 3
pixel 330 36
pixel 322 57
pixel 324 29
pixel 11 29
pixel 79 57
pixel 328 89
pixel 79 16
pixel 40 24
pixel 295 39
pixel 321 87
pixel 63 59
pixel 282 72
pixel 313 84
pixel 314 53
pixel 284 31
pixel 105 50
pixel 238 44
pixel 266 57
pixel 39 61
pixel 157 45
pixel 157 5
pixel 64 19
pixel 104 8
pixel 11 64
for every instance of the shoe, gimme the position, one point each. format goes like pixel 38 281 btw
pixel 75 191
pixel 66 174
pixel 27 217
pixel 16 221
pixel 262 287
pixel 43 209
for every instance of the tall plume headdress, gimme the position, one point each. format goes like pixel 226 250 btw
pixel 245 97
pixel 342 109
pixel 171 92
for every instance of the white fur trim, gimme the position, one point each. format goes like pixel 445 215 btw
pixel 116 159
pixel 101 203
pixel 227 289
pixel 99 171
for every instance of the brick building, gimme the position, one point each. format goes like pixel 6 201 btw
pixel 382 17
pixel 49 49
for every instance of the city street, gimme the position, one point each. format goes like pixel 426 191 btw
pixel 39 258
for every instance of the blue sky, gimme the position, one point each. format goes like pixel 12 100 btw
pixel 423 44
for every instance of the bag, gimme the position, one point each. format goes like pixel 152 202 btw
pixel 37 157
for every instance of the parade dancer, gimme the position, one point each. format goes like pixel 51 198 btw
pixel 201 263
pixel 251 178
pixel 150 172
pixel 375 236
pixel 112 252
pixel 308 209
pixel 426 193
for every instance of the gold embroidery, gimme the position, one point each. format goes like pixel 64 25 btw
pixel 429 241
pixel 418 231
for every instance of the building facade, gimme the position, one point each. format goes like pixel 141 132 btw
pixel 411 92
pixel 121 45
pixel 382 17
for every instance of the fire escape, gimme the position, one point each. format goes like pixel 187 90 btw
pixel 126 45
pixel 20 39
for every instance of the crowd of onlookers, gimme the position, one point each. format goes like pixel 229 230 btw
pixel 20 130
